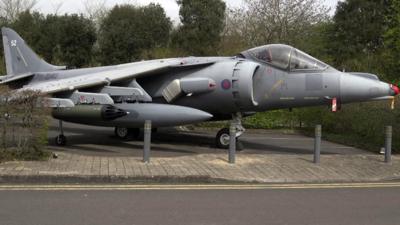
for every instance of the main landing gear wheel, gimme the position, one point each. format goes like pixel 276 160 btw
pixel 126 133
pixel 61 140
pixel 223 138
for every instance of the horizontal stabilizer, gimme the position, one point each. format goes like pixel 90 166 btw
pixel 9 79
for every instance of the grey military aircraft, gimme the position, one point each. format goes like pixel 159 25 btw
pixel 178 91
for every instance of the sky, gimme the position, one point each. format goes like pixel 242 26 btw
pixel 170 6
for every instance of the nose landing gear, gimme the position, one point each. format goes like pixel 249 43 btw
pixel 222 139
pixel 223 136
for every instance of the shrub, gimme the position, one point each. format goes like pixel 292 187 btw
pixel 23 121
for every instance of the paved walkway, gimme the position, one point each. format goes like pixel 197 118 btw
pixel 271 168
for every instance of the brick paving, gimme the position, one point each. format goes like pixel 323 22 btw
pixel 262 168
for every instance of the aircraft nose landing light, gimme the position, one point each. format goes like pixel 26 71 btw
pixel 395 92
pixel 395 89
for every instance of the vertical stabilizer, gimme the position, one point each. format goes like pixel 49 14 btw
pixel 20 58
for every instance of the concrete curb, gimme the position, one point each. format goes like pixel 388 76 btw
pixel 76 179
pixel 65 179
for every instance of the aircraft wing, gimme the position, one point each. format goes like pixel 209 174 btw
pixel 109 76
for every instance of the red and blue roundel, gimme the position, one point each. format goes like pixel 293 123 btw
pixel 226 84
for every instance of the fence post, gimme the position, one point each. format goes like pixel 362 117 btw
pixel 232 143
pixel 147 141
pixel 317 144
pixel 388 144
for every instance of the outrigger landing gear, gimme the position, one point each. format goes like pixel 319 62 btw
pixel 223 136
pixel 61 140
pixel 126 133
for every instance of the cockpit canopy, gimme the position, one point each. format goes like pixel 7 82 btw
pixel 285 57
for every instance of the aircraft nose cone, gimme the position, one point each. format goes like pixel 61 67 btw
pixel 355 88
pixel 395 89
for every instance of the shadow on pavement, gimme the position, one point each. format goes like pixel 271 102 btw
pixel 171 142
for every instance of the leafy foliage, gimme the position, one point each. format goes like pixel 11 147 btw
pixel 202 24
pixel 65 40
pixel 128 30
pixel 357 31
pixel 74 40
pixel 391 53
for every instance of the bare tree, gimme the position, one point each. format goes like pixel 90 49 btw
pixel 233 33
pixel 131 2
pixel 96 10
pixel 23 119
pixel 57 5
pixel 10 9
pixel 261 22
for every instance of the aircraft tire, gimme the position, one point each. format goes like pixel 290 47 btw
pixel 222 138
pixel 127 133
pixel 121 132
pixel 61 140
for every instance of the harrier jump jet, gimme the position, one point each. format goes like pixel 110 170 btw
pixel 178 91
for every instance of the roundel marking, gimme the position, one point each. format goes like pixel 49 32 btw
pixel 226 84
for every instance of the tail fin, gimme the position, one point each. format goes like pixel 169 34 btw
pixel 20 59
